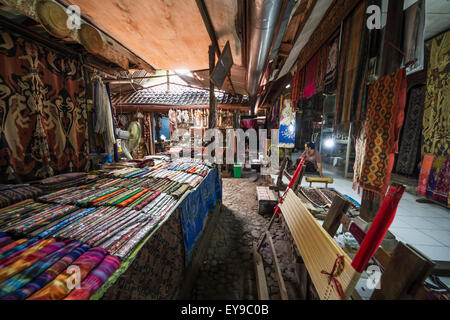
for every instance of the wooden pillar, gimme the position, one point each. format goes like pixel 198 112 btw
pixel 390 62
pixel 212 97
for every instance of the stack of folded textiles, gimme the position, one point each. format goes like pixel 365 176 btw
pixel 61 181
pixel 11 194
pixel 38 269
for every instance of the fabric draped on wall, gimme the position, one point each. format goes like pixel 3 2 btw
pixel 434 174
pixel 436 119
pixel 310 78
pixel 412 131
pixel 442 190
pixel 352 67
pixel 424 176
pixel 43 117
pixel 321 68
pixel 332 64
pixel 378 139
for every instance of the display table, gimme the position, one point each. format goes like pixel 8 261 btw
pixel 155 268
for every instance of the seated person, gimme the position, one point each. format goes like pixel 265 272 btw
pixel 313 162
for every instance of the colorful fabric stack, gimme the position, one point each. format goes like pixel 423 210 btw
pixel 62 181
pixel 42 270
pixel 12 194
pixel 378 140
pixel 90 228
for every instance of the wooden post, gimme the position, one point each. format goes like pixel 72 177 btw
pixel 404 275
pixel 339 207
pixel 390 62
pixel 212 98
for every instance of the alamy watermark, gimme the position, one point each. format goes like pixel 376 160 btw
pixel 231 148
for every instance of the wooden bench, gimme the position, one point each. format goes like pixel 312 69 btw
pixel 318 179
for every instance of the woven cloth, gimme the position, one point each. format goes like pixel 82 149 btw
pixel 425 174
pixel 434 174
pixel 12 196
pixel 351 67
pixel 332 63
pixel 443 183
pixel 412 132
pixel 379 137
pixel 436 119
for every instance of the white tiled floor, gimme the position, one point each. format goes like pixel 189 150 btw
pixel 422 225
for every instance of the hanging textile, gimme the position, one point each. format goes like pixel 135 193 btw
pixel 425 174
pixel 43 126
pixel 434 173
pixel 352 67
pixel 442 189
pixel 104 120
pixel 332 63
pixel 287 125
pixel 413 42
pixel 412 132
pixel 378 140
pixel 148 134
pixel 310 77
pixel 321 68
pixel 436 119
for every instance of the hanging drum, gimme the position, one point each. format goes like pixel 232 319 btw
pixel 53 18
pixel 91 38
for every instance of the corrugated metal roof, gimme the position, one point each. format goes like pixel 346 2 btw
pixel 180 97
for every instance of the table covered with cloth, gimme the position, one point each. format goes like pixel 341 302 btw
pixel 154 269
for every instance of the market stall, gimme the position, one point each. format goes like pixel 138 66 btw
pixel 119 222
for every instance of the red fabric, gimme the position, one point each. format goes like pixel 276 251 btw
pixel 311 72
pixel 425 174
pixel 378 229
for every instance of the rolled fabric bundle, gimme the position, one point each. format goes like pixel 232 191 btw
pixel 11 245
pixel 130 200
pixel 148 200
pixel 5 262
pixel 57 289
pixel 23 278
pixel 27 259
pixel 379 227
pixel 121 197
pixel 5 240
pixel 93 202
pixel 112 228
pixel 65 222
pixel 18 249
pixel 95 279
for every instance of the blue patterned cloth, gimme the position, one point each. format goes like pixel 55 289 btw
pixel 195 208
